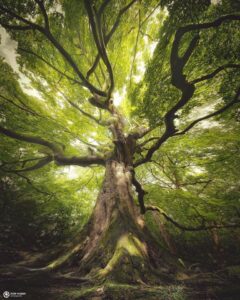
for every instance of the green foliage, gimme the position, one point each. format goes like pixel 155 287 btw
pixel 193 178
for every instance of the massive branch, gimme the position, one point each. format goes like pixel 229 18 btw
pixel 29 25
pixel 179 80
pixel 107 38
pixel 56 149
pixel 96 27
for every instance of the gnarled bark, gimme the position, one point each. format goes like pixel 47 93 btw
pixel 117 244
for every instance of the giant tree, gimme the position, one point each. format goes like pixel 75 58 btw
pixel 78 56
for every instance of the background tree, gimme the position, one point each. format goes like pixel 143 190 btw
pixel 77 57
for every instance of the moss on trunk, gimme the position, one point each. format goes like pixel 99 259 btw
pixel 118 246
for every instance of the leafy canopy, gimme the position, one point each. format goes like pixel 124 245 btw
pixel 185 93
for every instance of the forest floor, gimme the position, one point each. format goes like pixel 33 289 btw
pixel 218 284
pixel 108 290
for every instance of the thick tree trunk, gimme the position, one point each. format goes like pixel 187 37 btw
pixel 114 203
pixel 115 242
